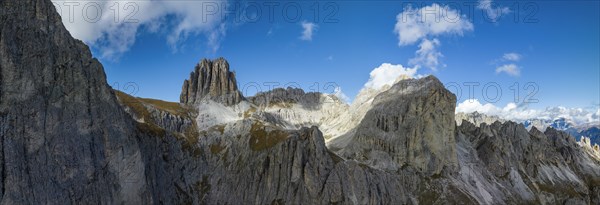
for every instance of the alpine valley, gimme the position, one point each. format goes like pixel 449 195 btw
pixel 66 137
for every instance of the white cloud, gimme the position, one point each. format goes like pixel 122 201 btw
pixel 510 69
pixel 308 29
pixel 492 11
pixel 511 57
pixel 340 94
pixel 413 25
pixel 424 25
pixel 112 26
pixel 513 112
pixel 387 74
pixel 216 36
pixel 427 55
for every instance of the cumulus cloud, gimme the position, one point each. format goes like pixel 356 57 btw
pixel 387 74
pixel 513 112
pixel 510 69
pixel 424 25
pixel 413 25
pixel 492 11
pixel 112 26
pixel 511 57
pixel 308 29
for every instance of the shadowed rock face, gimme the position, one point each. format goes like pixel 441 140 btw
pixel 63 135
pixel 311 100
pixel 211 80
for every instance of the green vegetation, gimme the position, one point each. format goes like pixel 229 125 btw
pixel 171 107
pixel 138 105
pixel 139 109
pixel 216 148
pixel 261 139
pixel 248 113
pixel 277 202
pixel 151 129
pixel 134 104
pixel 559 189
pixel 281 104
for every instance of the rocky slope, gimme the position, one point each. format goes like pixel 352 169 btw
pixel 67 138
pixel 292 108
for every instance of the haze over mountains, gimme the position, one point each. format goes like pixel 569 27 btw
pixel 68 138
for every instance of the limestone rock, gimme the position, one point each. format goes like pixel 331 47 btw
pixel 64 138
pixel 412 123
pixel 539 167
pixel 289 95
pixel 211 80
pixel 476 118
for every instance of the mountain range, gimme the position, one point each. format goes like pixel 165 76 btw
pixel 66 137
pixel 591 130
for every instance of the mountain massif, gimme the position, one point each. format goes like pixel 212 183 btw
pixel 66 137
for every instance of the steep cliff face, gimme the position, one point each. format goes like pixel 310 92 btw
pixel 62 133
pixel 412 124
pixel 211 80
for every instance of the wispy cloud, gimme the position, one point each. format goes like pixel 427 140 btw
pixel 510 69
pixel 308 29
pixel 492 10
pixel 511 57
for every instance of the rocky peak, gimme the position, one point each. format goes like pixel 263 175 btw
pixel 412 123
pixel 211 80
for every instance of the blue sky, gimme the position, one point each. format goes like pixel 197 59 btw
pixel 553 44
